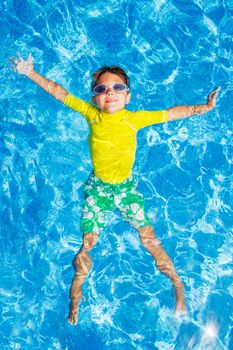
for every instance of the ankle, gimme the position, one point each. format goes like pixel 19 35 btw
pixel 178 286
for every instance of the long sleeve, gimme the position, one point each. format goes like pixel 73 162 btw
pixel 86 109
pixel 141 119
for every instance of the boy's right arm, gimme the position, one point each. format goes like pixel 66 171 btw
pixel 25 67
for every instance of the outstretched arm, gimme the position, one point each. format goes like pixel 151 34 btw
pixel 180 112
pixel 25 67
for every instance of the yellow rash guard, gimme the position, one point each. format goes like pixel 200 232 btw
pixel 112 137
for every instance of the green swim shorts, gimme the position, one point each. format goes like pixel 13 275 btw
pixel 101 198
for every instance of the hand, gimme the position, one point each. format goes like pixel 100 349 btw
pixel 22 66
pixel 212 97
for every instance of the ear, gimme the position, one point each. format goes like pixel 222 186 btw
pixel 93 100
pixel 128 98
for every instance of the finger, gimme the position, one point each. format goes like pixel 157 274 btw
pixel 13 60
pixel 13 67
pixel 19 56
pixel 213 97
pixel 30 57
pixel 215 91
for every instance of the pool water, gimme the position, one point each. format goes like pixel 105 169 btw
pixel 175 52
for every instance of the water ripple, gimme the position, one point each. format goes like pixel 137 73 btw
pixel 175 53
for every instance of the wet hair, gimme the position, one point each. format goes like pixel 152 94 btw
pixel 110 69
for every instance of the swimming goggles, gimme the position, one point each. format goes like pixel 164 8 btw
pixel 117 87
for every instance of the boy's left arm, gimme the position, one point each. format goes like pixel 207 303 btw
pixel 180 112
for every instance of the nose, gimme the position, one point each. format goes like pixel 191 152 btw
pixel 109 91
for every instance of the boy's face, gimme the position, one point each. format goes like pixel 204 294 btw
pixel 111 101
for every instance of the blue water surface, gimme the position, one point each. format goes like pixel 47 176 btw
pixel 175 52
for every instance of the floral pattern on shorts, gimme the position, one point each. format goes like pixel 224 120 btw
pixel 101 198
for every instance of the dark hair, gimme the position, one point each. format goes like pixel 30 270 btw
pixel 110 69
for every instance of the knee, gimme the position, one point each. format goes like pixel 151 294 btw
pixel 82 260
pixel 89 241
pixel 82 263
pixel 150 242
pixel 148 237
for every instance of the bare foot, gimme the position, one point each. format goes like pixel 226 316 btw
pixel 180 308
pixel 73 315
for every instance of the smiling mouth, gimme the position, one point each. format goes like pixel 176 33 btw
pixel 109 101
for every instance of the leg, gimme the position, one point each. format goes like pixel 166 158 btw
pixel 82 264
pixel 164 264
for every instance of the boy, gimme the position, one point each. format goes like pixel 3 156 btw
pixel 112 185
